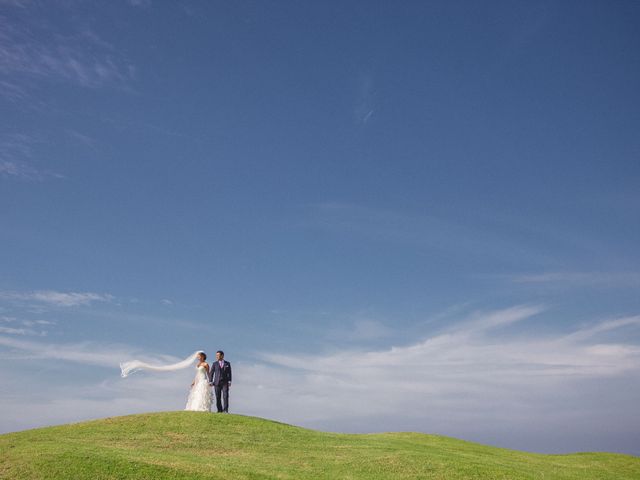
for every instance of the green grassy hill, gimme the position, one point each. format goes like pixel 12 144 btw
pixel 192 445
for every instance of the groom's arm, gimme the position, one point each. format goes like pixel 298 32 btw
pixel 229 374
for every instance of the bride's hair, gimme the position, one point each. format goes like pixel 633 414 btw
pixel 204 355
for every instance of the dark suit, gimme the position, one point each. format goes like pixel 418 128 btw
pixel 220 378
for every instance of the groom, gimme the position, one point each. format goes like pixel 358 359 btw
pixel 220 379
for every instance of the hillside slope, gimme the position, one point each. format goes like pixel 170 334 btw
pixel 192 445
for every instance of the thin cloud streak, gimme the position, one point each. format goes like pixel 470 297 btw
pixel 140 3
pixel 581 279
pixel 16 154
pixel 12 91
pixel 20 331
pixel 91 353
pixel 61 58
pixel 55 298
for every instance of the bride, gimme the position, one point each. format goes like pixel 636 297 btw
pixel 199 399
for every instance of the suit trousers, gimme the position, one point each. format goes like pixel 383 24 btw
pixel 222 397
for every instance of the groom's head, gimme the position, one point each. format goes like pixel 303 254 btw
pixel 219 355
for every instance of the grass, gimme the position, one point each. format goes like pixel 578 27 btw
pixel 194 445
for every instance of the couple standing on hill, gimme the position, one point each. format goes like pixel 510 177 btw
pixel 200 398
pixel 217 376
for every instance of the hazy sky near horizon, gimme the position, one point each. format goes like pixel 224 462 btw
pixel 391 215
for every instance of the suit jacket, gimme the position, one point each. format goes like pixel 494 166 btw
pixel 220 376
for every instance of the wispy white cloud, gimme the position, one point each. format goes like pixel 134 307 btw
pixel 15 326
pixel 14 149
pixel 486 321
pixel 12 169
pixel 602 279
pixel 30 323
pixel 16 155
pixel 81 138
pixel 140 3
pixel 16 3
pixel 603 327
pixel 12 91
pixel 367 329
pixel 89 353
pixel 20 331
pixel 55 298
pixel 24 171
pixel 37 50
pixel 476 350
pixel 463 380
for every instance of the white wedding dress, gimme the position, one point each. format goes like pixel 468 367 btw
pixel 199 399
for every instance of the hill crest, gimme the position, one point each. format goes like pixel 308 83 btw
pixel 198 445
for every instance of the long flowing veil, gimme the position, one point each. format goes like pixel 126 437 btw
pixel 134 365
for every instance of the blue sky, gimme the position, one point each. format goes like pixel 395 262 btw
pixel 325 190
